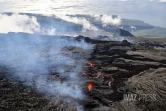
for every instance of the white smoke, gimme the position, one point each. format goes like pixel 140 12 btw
pixel 33 56
pixel 108 20
pixel 22 23
pixel 81 21
pixel 87 23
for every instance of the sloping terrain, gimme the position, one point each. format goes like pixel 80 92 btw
pixel 155 32
pixel 121 68
pixel 17 97
pixel 114 69
pixel 151 81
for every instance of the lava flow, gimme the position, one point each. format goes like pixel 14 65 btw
pixel 84 73
pixel 91 64
pixel 90 85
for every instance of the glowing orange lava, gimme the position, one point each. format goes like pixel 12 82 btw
pixel 90 85
pixel 84 73
pixel 91 64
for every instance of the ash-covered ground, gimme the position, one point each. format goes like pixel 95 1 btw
pixel 119 68
pixel 113 69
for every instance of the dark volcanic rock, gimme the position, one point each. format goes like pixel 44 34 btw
pixel 16 96
pixel 118 62
pixel 125 33
pixel 116 68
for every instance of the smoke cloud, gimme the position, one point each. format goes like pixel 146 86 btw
pixel 90 23
pixel 108 20
pixel 77 20
pixel 22 23
pixel 51 65
pixel 34 57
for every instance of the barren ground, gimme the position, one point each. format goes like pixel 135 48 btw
pixel 125 68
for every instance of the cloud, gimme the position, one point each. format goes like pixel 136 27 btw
pixel 162 0
pixel 33 58
pixel 22 23
pixel 106 20
pixel 81 21
pixel 36 59
pixel 109 20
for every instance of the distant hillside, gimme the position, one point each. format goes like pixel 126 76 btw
pixel 156 32
pixel 65 26
pixel 139 28
pixel 126 24
pixel 130 22
pixel 134 25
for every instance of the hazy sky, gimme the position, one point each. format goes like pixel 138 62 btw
pixel 150 11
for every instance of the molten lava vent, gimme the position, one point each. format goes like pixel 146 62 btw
pixel 90 85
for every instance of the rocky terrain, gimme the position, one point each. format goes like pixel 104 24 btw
pixel 127 68
pixel 114 69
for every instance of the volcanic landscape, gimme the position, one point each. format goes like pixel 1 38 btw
pixel 112 69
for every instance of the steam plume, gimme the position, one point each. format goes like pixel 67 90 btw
pixel 81 21
pixel 22 23
pixel 108 19
pixel 33 56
